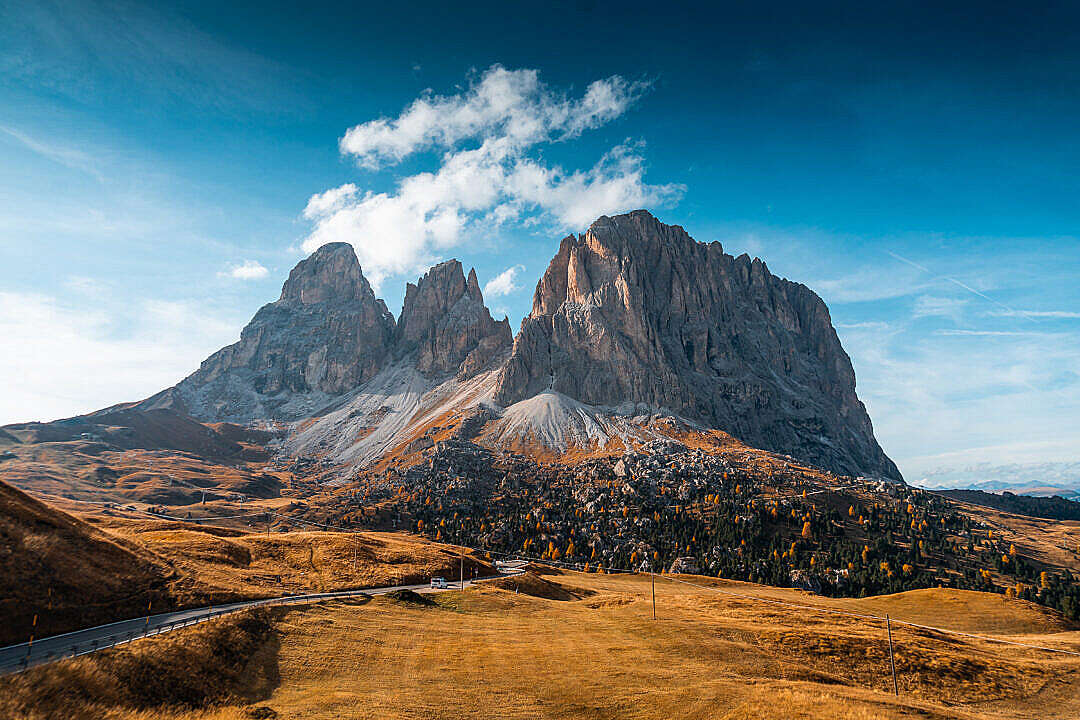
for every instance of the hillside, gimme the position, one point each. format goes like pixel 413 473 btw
pixel 68 572
pixel 78 572
pixel 570 645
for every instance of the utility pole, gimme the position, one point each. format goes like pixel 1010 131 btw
pixel 892 662
pixel 652 577
pixel 462 568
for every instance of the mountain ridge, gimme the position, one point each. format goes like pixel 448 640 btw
pixel 631 319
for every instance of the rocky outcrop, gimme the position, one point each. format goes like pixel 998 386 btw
pixel 635 311
pixel 324 336
pixel 445 326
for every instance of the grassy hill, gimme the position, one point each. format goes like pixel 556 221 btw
pixel 573 645
pixel 68 572
pixel 1051 508
pixel 74 573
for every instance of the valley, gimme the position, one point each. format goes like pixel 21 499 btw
pixel 667 413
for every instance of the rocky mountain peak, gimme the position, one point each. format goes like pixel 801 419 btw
pixel 446 325
pixel 636 311
pixel 330 274
pixel 324 336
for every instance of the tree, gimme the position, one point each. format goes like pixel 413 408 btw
pixel 806 531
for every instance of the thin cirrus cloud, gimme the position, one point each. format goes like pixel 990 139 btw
pixel 938 306
pixel 488 173
pixel 504 283
pixel 1049 314
pixel 247 270
pixel 66 156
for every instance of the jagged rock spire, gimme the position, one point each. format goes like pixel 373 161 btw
pixel 445 325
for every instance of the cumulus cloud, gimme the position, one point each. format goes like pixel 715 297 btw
pixel 247 270
pixel 504 283
pixel 509 104
pixel 488 172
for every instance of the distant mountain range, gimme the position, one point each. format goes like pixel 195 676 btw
pixel 1041 478
pixel 632 320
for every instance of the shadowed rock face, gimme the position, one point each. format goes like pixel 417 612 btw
pixel 325 335
pixel 637 311
pixel 445 325
pixel 328 334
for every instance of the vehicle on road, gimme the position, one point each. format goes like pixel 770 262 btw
pixel 438 583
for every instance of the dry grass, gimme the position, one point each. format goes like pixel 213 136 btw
pixel 67 572
pixel 232 661
pixel 73 574
pixel 1055 543
pixel 491 652
pixel 219 566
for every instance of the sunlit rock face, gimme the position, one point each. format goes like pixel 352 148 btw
pixel 631 319
pixel 636 311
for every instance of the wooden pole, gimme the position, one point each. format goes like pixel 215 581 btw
pixel 652 577
pixel 892 661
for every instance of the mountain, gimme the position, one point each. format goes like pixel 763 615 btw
pixel 1046 478
pixel 325 335
pixel 636 312
pixel 1054 507
pixel 445 324
pixel 637 333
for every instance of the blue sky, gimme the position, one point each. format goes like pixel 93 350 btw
pixel 162 167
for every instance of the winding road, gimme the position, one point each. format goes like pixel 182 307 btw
pixel 15 658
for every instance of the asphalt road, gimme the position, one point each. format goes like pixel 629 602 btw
pixel 15 658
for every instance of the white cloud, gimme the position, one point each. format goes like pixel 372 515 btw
pixel 509 104
pixel 503 283
pixel 85 286
pixel 978 393
pixel 504 114
pixel 71 360
pixel 868 284
pixel 989 333
pixel 329 201
pixel 247 270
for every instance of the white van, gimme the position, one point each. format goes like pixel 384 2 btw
pixel 438 583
